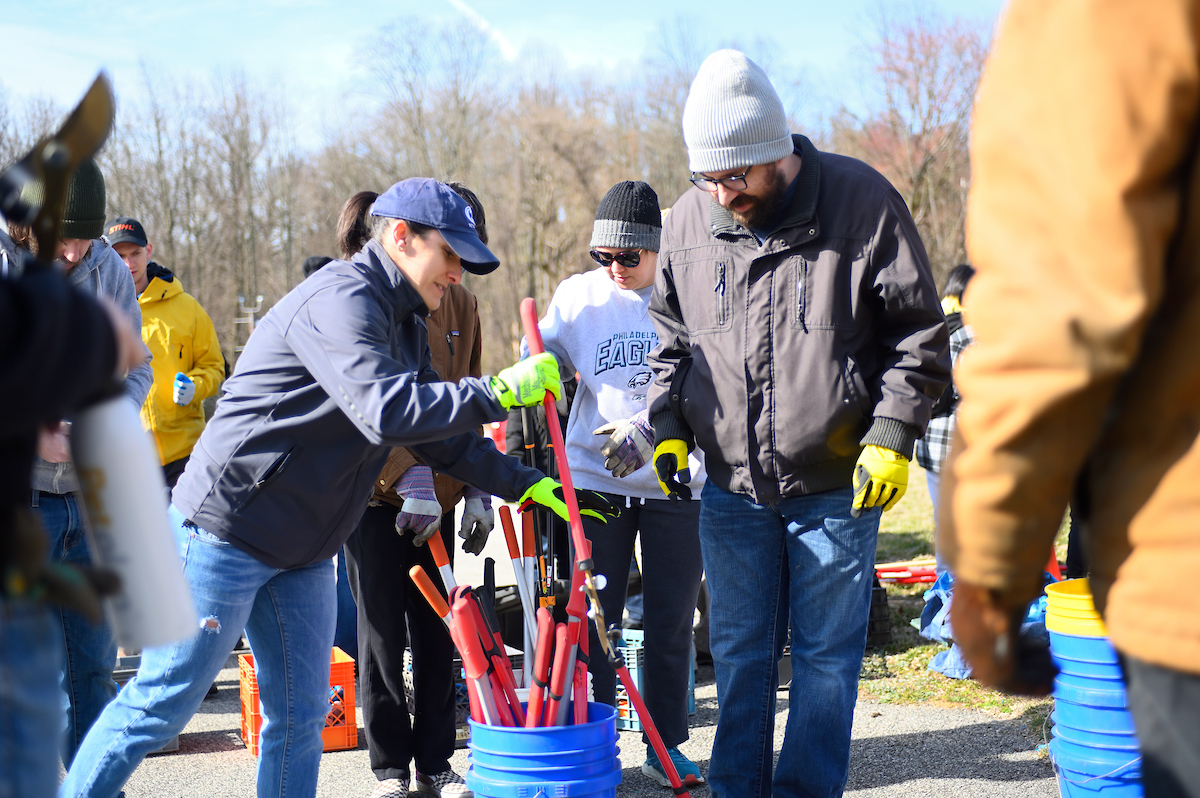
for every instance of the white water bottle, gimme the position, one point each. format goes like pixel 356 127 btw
pixel 125 497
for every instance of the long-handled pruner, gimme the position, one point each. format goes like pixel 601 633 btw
pixel 52 161
pixel 583 567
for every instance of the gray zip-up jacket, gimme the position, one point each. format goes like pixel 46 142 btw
pixel 784 359
pixel 100 272
pixel 334 375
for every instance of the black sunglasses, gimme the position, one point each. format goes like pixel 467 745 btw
pixel 626 259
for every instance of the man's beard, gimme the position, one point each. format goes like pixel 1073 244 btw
pixel 765 209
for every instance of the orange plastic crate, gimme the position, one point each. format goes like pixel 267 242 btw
pixel 341 724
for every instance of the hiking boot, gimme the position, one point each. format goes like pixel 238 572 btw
pixel 390 788
pixel 689 771
pixel 446 784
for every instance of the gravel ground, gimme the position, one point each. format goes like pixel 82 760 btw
pixel 897 751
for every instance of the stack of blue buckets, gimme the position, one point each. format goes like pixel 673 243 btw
pixel 1093 748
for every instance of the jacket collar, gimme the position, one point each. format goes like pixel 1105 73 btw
pixel 803 208
pixel 405 299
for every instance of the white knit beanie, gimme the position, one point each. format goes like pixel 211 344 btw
pixel 733 117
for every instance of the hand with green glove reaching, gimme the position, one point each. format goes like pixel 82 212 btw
pixel 549 493
pixel 880 479
pixel 671 466
pixel 525 384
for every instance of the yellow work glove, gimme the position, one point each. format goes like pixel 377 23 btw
pixel 671 466
pixel 525 384
pixel 549 493
pixel 880 479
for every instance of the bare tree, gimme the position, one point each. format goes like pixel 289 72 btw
pixel 926 69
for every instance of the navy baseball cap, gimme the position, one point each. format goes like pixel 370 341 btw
pixel 426 201
pixel 125 229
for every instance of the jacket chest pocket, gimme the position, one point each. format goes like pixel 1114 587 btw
pixel 707 303
pixel 797 293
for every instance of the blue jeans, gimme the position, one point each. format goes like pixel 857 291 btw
pixel 289 618
pixel 91 651
pixel 30 709
pixel 806 554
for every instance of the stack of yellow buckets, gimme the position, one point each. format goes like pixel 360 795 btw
pixel 1094 748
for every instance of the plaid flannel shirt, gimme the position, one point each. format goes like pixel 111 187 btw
pixel 932 449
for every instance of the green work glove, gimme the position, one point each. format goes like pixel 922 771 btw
pixel 671 466
pixel 549 493
pixel 525 384
pixel 880 479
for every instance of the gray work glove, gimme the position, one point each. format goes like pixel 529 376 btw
pixel 421 512
pixel 477 521
pixel 630 444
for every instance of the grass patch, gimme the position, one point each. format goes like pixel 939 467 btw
pixel 899 673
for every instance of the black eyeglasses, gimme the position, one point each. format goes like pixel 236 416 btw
pixel 626 259
pixel 733 182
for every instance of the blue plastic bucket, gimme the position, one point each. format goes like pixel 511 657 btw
pixel 1086 772
pixel 1090 657
pixel 572 761
pixel 1090 737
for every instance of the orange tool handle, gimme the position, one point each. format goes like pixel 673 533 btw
pixel 558 676
pixel 430 592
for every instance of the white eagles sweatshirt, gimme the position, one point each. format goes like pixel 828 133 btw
pixel 604 333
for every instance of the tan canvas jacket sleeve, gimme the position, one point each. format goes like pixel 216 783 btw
pixel 456 345
pixel 1081 155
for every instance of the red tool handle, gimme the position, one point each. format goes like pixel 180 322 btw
pixel 558 675
pixel 475 661
pixel 576 603
pixel 510 534
pixel 541 667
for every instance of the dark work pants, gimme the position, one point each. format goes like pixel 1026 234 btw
pixel 1166 712
pixel 173 470
pixel 671 571
pixel 390 610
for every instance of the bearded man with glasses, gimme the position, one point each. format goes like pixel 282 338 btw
pixel 801 347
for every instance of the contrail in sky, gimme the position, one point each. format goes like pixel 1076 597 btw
pixel 506 49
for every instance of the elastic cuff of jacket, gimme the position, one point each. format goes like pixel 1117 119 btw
pixel 892 434
pixel 667 426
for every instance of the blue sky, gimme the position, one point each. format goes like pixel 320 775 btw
pixel 317 50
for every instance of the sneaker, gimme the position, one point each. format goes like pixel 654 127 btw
pixel 446 784
pixel 390 788
pixel 689 771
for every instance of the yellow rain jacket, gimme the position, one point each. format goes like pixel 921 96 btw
pixel 181 337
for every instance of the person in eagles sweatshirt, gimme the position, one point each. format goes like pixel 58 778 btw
pixel 598 324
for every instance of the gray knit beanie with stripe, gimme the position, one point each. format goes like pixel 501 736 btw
pixel 628 218
pixel 733 117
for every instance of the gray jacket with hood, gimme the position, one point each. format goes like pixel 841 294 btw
pixel 784 358
pixel 336 374
pixel 100 272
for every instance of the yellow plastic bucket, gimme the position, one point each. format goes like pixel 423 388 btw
pixel 1070 611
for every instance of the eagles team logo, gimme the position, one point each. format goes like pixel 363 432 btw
pixel 470 217
pixel 641 378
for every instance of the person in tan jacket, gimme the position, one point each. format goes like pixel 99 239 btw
pixel 1084 384
pixel 411 499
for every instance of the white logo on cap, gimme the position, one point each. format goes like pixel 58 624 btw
pixel 470 217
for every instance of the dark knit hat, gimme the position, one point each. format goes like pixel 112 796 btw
pixel 628 218
pixel 313 263
pixel 83 208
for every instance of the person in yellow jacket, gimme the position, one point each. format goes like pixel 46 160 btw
pixel 188 365
pixel 1084 385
